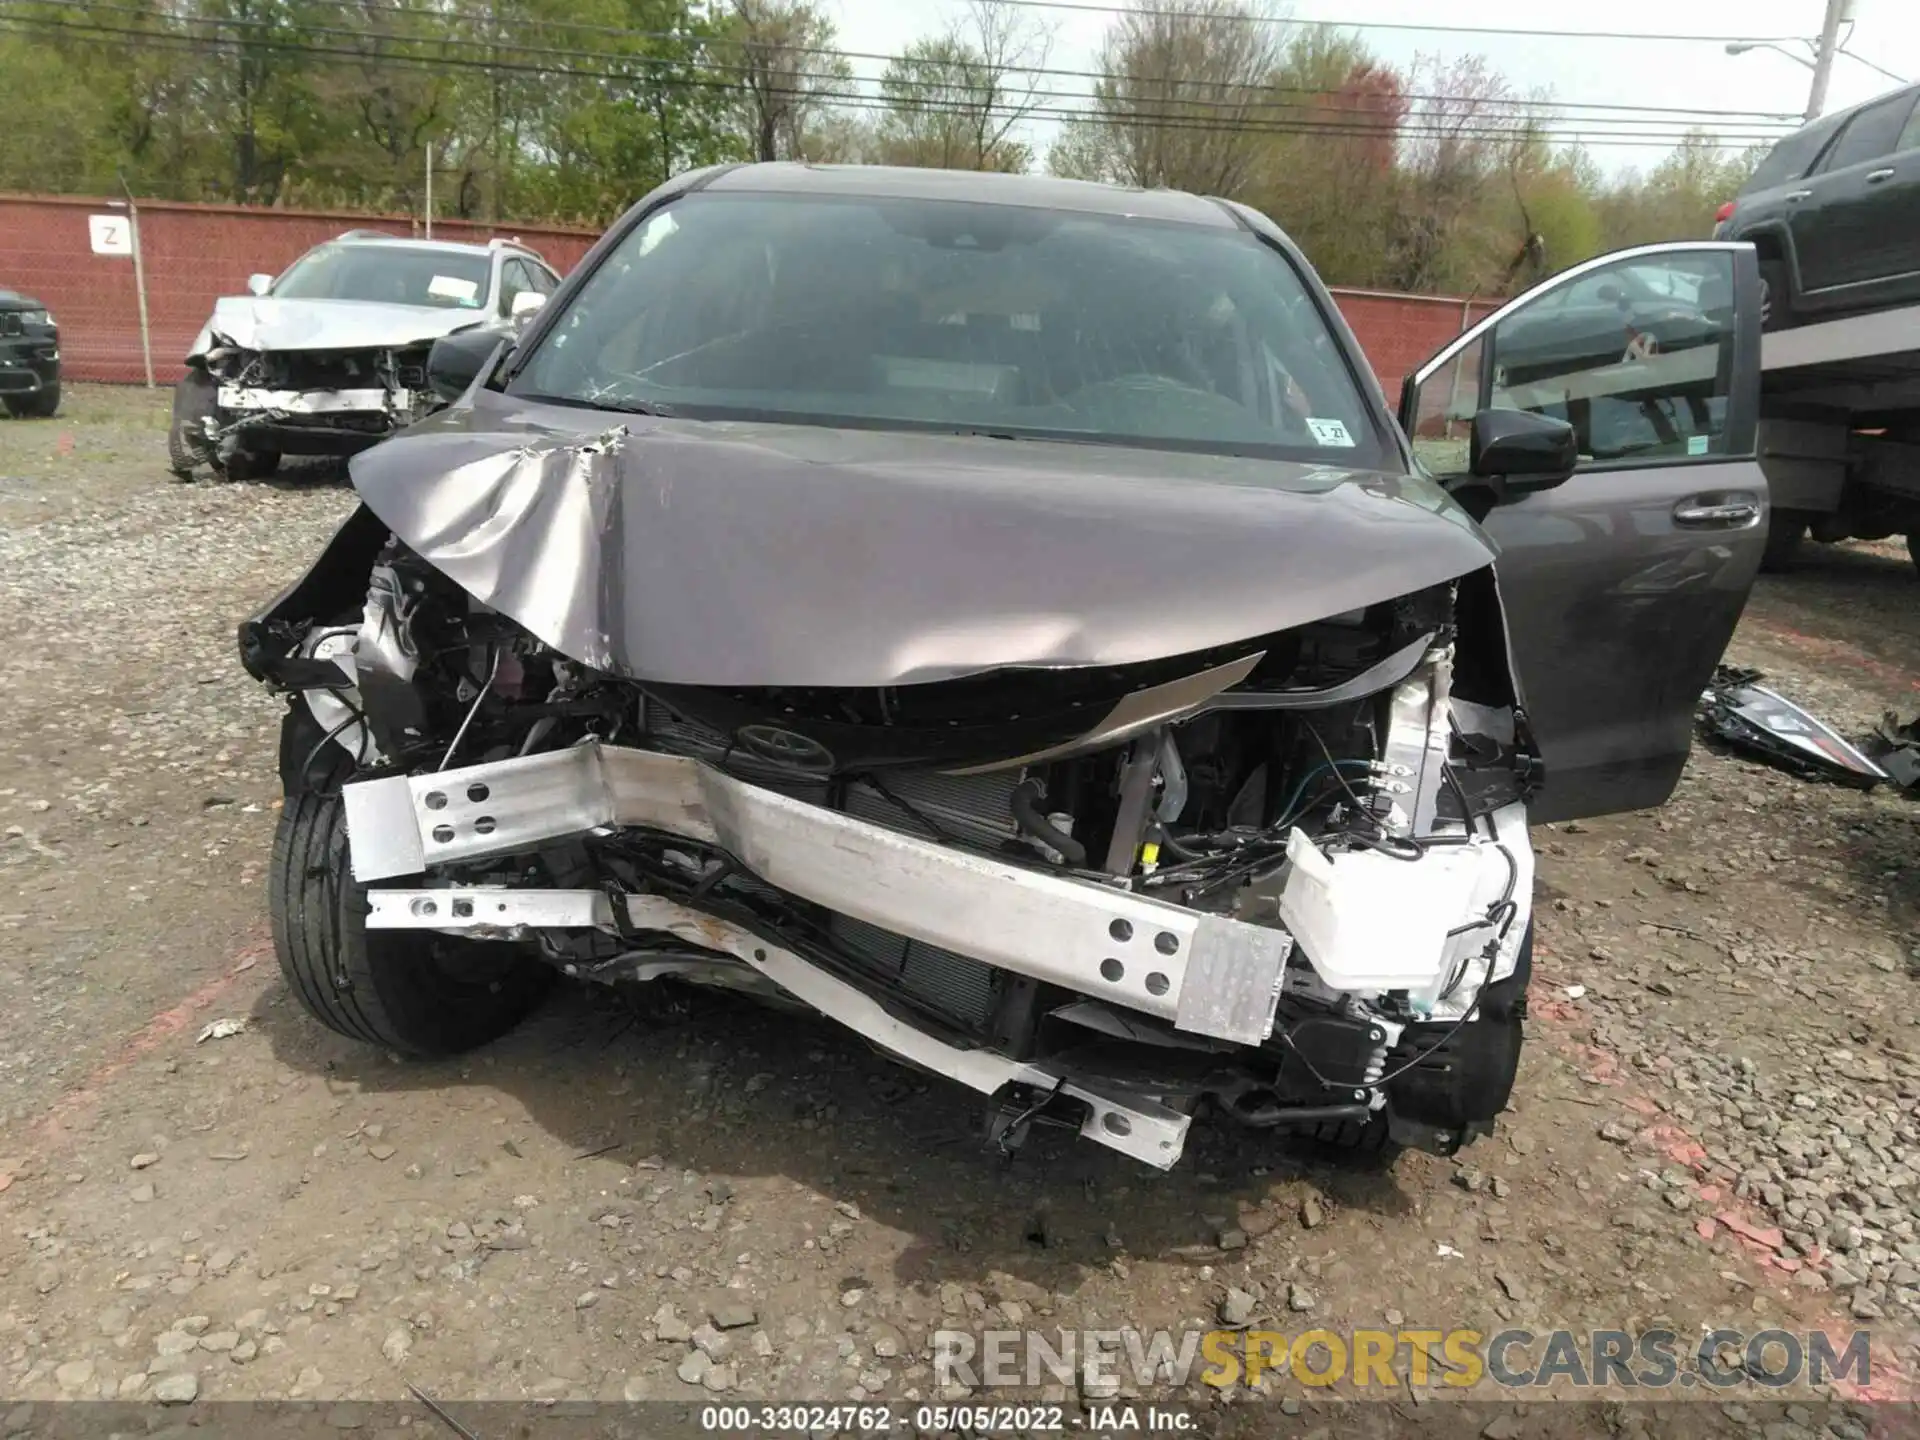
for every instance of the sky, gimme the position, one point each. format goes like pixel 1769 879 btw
pixel 1695 75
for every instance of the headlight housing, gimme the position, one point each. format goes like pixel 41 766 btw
pixel 37 318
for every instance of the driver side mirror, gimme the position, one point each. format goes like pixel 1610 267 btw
pixel 259 284
pixel 1518 452
pixel 457 360
pixel 526 303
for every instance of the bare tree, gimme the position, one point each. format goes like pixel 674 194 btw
pixel 954 101
pixel 1465 125
pixel 1184 103
pixel 780 54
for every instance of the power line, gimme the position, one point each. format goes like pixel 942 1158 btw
pixel 1258 19
pixel 1667 114
pixel 1489 128
pixel 1493 120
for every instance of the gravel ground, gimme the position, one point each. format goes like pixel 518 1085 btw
pixel 675 1197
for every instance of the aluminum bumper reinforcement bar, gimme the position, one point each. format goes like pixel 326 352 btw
pixel 1206 974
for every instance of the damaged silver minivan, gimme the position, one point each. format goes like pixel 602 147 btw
pixel 1002 615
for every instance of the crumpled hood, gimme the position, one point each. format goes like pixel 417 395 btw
pixel 744 554
pixel 261 322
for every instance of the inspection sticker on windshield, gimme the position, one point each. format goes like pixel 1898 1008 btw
pixel 452 287
pixel 1330 432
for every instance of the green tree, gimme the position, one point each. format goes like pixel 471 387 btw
pixel 1677 200
pixel 777 56
pixel 1328 174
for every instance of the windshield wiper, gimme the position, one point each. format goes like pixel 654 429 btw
pixel 981 432
pixel 589 402
pixel 631 407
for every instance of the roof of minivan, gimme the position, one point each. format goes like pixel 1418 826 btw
pixel 1044 192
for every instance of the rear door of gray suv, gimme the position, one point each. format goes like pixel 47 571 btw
pixel 1621 586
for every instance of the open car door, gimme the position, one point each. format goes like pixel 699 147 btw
pixel 1622 585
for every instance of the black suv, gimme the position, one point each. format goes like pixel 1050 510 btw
pixel 29 357
pixel 1834 211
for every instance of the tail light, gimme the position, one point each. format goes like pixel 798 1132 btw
pixel 1724 213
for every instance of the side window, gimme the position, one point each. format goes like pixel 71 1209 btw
pixel 1446 405
pixel 1910 136
pixel 1642 370
pixel 513 279
pixel 1873 132
pixel 1790 159
pixel 544 280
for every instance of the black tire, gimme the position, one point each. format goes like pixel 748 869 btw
pixel 194 399
pixel 1786 531
pixel 1776 295
pixel 1503 1001
pixel 419 994
pixel 245 465
pixel 1371 1137
pixel 43 404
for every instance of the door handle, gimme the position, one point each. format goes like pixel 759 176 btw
pixel 1795 196
pixel 1716 512
pixel 1874 177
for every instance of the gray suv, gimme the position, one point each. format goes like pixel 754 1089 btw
pixel 1834 212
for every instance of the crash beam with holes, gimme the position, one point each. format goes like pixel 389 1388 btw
pixel 1135 1125
pixel 1205 974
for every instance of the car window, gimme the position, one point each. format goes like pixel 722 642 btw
pixel 999 319
pixel 1645 378
pixel 391 274
pixel 1871 133
pixel 514 278
pixel 1910 135
pixel 1792 157
pixel 541 278
pixel 1443 417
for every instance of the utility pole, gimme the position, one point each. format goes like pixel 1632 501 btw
pixel 1823 56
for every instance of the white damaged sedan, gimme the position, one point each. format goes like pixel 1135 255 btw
pixel 331 357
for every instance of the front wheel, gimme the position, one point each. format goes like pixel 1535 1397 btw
pixel 41 405
pixel 194 403
pixel 416 992
pixel 1450 1081
pixel 244 465
pixel 1776 296
pixel 1786 530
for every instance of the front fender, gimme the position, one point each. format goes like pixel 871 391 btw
pixel 335 585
